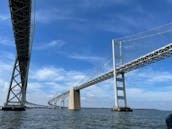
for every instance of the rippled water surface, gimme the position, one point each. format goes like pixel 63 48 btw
pixel 83 119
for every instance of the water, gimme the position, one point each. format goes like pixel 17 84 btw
pixel 83 119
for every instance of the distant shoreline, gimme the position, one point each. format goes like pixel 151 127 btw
pixel 97 108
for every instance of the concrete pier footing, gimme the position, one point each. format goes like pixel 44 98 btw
pixel 74 99
pixel 122 109
pixel 13 108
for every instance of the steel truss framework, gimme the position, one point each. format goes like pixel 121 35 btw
pixel 21 19
pixel 120 91
pixel 15 97
pixel 142 61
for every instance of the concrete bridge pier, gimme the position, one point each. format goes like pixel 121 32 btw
pixel 74 99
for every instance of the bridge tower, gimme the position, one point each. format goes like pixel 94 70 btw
pixel 119 81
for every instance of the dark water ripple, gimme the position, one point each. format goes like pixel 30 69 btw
pixel 83 119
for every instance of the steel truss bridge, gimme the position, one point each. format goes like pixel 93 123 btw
pixel 21 21
pixel 118 74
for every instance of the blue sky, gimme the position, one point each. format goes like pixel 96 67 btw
pixel 72 41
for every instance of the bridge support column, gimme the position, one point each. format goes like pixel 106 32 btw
pixel 119 82
pixel 16 94
pixel 120 94
pixel 74 99
pixel 62 104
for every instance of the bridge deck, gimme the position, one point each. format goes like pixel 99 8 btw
pixel 20 15
pixel 149 58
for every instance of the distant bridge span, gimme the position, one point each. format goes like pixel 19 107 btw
pixel 147 59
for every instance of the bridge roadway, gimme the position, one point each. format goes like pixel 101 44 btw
pixel 149 58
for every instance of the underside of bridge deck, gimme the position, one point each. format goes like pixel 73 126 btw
pixel 21 20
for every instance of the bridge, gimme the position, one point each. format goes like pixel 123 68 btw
pixel 118 73
pixel 21 20
pixel 16 98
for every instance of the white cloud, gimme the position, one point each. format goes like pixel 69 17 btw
pixel 5 70
pixel 4 67
pixel 51 44
pixel 4 17
pixel 37 97
pixel 149 95
pixel 51 15
pixel 157 76
pixel 51 81
pixel 5 75
pixel 141 98
pixel 3 89
pixel 6 42
pixel 45 74
pixel 86 58
pixel 7 55
pixel 150 76
pixel 52 74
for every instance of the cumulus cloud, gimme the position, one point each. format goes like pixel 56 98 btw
pixel 51 73
pixel 6 42
pixel 45 74
pixel 52 81
pixel 51 44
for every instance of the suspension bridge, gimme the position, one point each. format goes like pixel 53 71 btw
pixel 118 73
pixel 16 97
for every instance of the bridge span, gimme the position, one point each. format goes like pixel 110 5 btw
pixel 118 73
pixel 21 21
